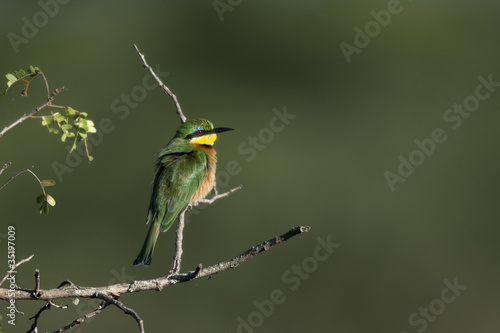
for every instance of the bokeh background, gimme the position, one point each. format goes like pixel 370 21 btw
pixel 325 168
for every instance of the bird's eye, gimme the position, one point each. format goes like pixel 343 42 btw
pixel 199 132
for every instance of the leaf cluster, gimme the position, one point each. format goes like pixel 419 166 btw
pixel 72 124
pixel 21 75
pixel 46 199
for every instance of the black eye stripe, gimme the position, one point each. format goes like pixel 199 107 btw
pixel 197 132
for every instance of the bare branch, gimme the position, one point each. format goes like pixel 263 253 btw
pixel 33 112
pixel 176 264
pixel 162 85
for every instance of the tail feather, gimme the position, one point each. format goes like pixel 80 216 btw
pixel 148 247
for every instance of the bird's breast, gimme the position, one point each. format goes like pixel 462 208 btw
pixel 208 180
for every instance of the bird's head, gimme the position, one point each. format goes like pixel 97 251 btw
pixel 200 131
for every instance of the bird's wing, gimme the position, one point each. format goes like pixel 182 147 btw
pixel 178 176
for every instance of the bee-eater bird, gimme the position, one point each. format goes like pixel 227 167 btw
pixel 184 173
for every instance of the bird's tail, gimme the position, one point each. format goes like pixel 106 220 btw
pixel 148 247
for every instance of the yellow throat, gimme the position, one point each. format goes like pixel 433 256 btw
pixel 204 140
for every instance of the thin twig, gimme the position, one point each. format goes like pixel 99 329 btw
pixel 47 306
pixel 58 306
pixel 162 85
pixel 33 112
pixel 17 265
pixel 121 306
pixel 34 326
pixel 5 166
pixel 47 85
pixel 17 174
pixel 252 252
pixel 81 319
pixel 217 196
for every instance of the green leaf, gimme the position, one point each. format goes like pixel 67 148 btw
pixel 91 126
pixel 70 135
pixel 69 111
pixel 11 78
pixel 50 200
pixel 40 198
pixel 82 134
pixel 91 158
pixel 48 182
pixel 83 123
pixel 66 127
pixel 63 137
pixel 47 120
pixel 53 130
pixel 44 208
pixel 19 73
pixel 58 117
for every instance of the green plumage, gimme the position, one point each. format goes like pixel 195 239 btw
pixel 179 172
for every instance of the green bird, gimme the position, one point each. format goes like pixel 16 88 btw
pixel 184 173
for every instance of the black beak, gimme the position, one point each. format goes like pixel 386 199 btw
pixel 221 129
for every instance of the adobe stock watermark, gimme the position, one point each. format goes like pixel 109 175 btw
pixel 221 7
pixel 31 27
pixel 420 319
pixel 122 106
pixel 373 28
pixel 249 148
pixel 453 117
pixel 292 279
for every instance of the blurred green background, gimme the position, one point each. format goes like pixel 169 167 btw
pixel 325 168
